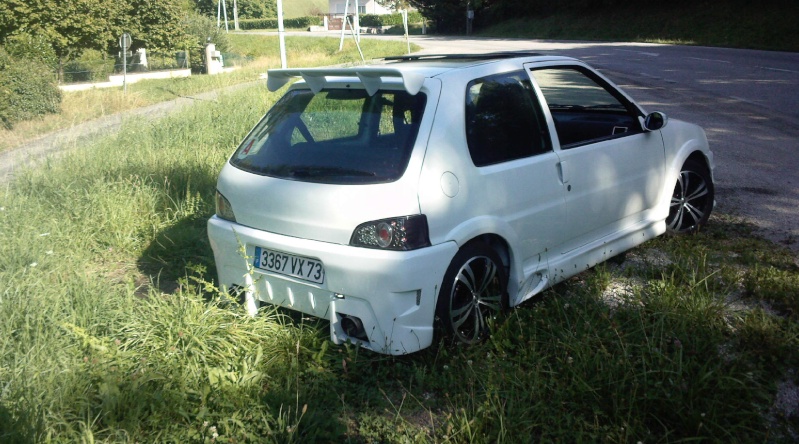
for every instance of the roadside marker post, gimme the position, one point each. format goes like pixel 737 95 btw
pixel 124 44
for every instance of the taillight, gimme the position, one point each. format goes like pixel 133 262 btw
pixel 223 208
pixel 397 233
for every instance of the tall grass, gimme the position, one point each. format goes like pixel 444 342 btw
pixel 112 329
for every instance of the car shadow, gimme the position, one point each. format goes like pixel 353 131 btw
pixel 175 251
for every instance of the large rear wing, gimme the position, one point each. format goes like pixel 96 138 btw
pixel 370 77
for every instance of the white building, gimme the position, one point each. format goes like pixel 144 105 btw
pixel 336 7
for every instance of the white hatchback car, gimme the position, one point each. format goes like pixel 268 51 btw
pixel 437 190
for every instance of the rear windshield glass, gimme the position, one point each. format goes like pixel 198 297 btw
pixel 336 136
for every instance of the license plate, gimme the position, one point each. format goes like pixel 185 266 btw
pixel 289 265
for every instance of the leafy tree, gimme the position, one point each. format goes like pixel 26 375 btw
pixel 70 26
pixel 74 26
pixel 395 5
pixel 157 24
pixel 247 8
pixel 446 15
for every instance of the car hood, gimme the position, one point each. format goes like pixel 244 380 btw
pixel 322 212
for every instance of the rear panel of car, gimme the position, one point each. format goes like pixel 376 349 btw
pixel 341 173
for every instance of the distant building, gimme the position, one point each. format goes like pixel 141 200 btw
pixel 336 7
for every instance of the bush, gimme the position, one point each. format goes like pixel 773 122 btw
pixel 203 30
pixel 271 23
pixel 34 47
pixel 27 89
pixel 91 66
pixel 374 20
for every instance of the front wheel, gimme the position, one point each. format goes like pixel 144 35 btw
pixel 692 200
pixel 474 290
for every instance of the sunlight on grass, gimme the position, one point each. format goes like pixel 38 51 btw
pixel 113 329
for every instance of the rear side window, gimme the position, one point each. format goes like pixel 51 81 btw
pixel 504 120
pixel 338 136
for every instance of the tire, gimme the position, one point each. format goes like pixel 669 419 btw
pixel 474 290
pixel 692 200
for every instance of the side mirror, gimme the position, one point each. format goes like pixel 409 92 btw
pixel 655 121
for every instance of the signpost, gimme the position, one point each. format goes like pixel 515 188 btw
pixel 124 44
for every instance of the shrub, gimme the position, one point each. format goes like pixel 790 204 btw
pixel 27 89
pixel 91 66
pixel 374 20
pixel 203 30
pixel 34 47
pixel 271 23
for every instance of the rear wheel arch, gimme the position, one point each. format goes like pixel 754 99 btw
pixel 466 301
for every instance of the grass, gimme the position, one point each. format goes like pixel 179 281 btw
pixel 82 106
pixel 304 8
pixel 113 330
pixel 767 25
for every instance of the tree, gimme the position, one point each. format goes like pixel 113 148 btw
pixel 395 5
pixel 69 26
pixel 157 24
pixel 247 8
pixel 446 15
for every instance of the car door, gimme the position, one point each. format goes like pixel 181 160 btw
pixel 611 169
pixel 508 179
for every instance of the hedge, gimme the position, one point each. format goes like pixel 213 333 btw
pixel 367 20
pixel 271 23
pixel 374 20
pixel 27 89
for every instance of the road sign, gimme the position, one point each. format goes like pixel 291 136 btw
pixel 125 54
pixel 124 41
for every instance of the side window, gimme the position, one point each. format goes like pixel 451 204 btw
pixel 583 108
pixel 504 120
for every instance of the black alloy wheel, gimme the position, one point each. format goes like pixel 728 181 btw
pixel 692 200
pixel 474 291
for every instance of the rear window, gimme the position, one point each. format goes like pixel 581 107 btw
pixel 338 136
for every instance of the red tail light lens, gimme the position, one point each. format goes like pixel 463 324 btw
pixel 223 208
pixel 398 233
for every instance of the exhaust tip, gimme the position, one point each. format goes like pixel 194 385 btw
pixel 353 327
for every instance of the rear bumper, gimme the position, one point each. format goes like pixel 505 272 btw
pixel 393 293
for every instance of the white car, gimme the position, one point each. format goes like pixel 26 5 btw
pixel 435 191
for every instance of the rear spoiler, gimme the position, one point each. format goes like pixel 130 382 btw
pixel 370 77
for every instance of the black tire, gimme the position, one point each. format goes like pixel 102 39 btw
pixel 474 290
pixel 692 200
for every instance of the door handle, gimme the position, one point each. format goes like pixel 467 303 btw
pixel 563 172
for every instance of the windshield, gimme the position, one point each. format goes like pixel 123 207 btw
pixel 338 136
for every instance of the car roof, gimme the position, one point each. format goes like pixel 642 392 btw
pixel 412 69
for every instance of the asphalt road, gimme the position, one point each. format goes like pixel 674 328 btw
pixel 747 101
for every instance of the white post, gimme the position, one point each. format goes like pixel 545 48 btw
pixel 357 45
pixel 281 34
pixel 235 16
pixel 124 70
pixel 344 22
pixel 224 7
pixel 405 24
pixel 357 24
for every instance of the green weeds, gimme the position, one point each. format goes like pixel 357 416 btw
pixel 113 330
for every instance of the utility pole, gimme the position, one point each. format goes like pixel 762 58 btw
pixel 220 7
